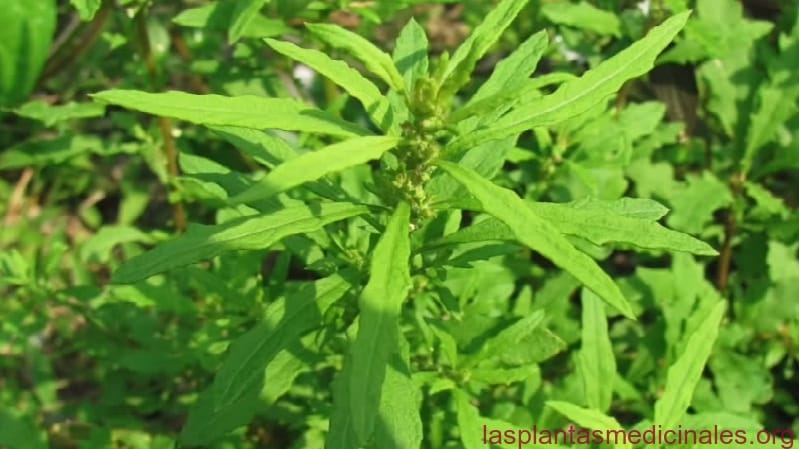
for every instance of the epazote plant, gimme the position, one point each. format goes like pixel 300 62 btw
pixel 376 210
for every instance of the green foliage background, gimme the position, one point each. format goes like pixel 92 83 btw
pixel 386 224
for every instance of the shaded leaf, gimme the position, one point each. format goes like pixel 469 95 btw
pixel 596 359
pixel 316 164
pixel 380 303
pixel 202 242
pixel 684 374
pixel 232 398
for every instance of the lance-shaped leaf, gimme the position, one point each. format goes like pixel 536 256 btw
pixel 231 400
pixel 375 60
pixel 400 425
pixel 316 164
pixel 410 53
pixel 356 405
pixel 514 71
pixel 247 111
pixel 776 104
pixel 522 343
pixel 201 242
pixel 243 14
pixel 460 67
pixel 593 419
pixel 596 360
pixel 598 225
pixel 538 234
pixel 684 374
pixel 343 75
pixel 577 96
pixel 25 38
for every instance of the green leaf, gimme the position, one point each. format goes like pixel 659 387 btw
pixel 380 304
pixel 343 75
pixel 39 153
pixel 577 96
pixel 243 14
pixel 605 227
pixel 50 115
pixel 316 164
pixel 596 360
pixel 505 376
pixel 400 425
pixel 694 201
pixel 217 16
pixel 684 374
pixel 87 8
pixel 582 15
pixel 244 111
pixel 776 104
pixel 524 342
pixel 410 53
pixel 25 39
pixel 202 242
pixel 375 60
pixel 601 227
pixel 231 399
pixel 19 432
pixel 513 72
pixel 589 419
pixel 465 58
pixel 539 234
pixel 266 149
pixel 469 422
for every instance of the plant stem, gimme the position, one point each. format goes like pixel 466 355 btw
pixel 730 228
pixel 74 47
pixel 165 125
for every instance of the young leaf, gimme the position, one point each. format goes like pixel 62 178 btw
pixel 590 419
pixel 410 53
pixel 539 234
pixel 776 104
pixel 378 328
pixel 86 8
pixel 202 242
pixel 244 12
pixel 460 67
pixel 583 15
pixel 316 164
pixel 228 403
pixel 596 359
pixel 684 374
pixel 343 75
pixel 244 111
pixel 375 60
pixel 511 73
pixel 577 96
